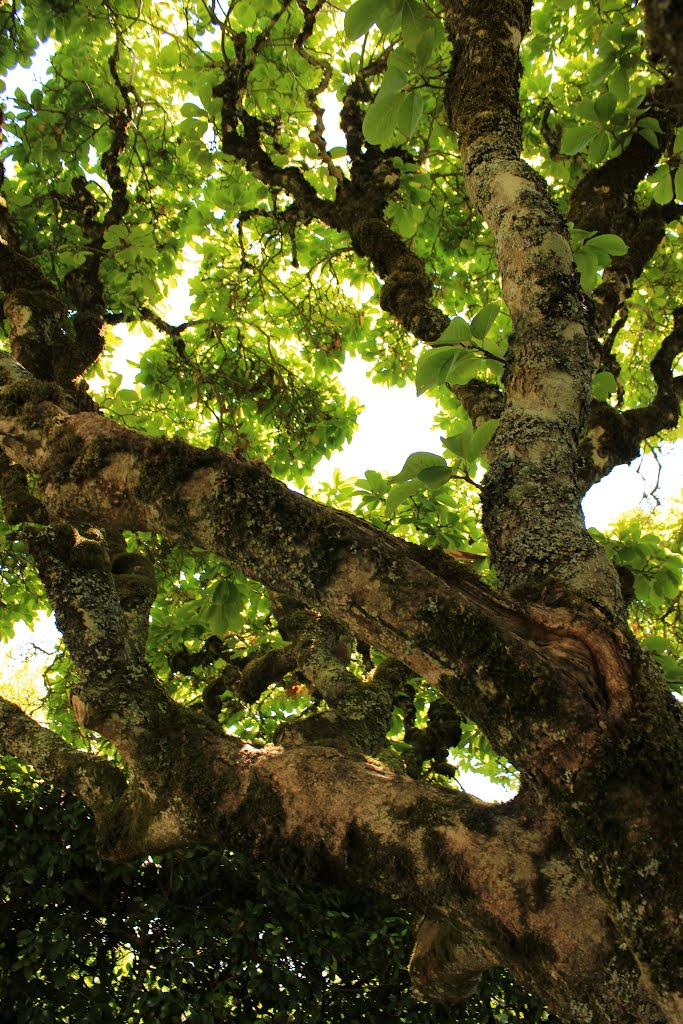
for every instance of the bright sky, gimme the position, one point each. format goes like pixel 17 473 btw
pixel 395 422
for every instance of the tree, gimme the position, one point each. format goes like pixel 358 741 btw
pixel 206 606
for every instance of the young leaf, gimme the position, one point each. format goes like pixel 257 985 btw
pixel 611 244
pixel 604 384
pixel 416 20
pixel 433 367
pixel 416 463
pixel 435 476
pixel 678 183
pixel 598 149
pixel 458 443
pixel 481 437
pixel 359 18
pixel 225 605
pixel 576 137
pixel 587 264
pixel 619 84
pixel 398 494
pixel 457 332
pixel 465 369
pixel 663 191
pixel 409 113
pixel 605 105
pixel 649 136
pixel 379 122
pixel 388 15
pixel 484 319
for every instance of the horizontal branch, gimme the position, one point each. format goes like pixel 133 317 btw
pixel 98 782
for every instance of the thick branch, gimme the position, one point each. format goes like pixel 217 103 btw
pixel 530 500
pixel 496 661
pixel 97 782
pixel 386 591
pixel 116 695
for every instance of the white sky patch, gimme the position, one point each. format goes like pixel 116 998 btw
pixel 393 424
pixel 641 486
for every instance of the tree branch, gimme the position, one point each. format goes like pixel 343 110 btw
pixel 98 782
pixel 97 609
pixel 385 591
pixel 360 712
pixel 614 437
pixel 530 501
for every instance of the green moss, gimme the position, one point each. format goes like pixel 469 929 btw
pixel 169 463
pixel 134 580
pixel 92 459
pixel 65 449
pixel 15 396
pixel 19 504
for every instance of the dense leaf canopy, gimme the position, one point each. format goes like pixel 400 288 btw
pixel 266 702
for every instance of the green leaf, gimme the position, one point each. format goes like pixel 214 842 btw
pixel 360 18
pixel 380 119
pixel 409 113
pixel 416 463
pixel 678 183
pixel 457 443
pixel 587 264
pixel 168 55
pixel 465 369
pixel 599 147
pixel 605 105
pixel 416 21
pixel 400 493
pixel 401 60
pixel 576 137
pixel 649 136
pixel 457 332
pixel 481 437
pixel 655 643
pixel 619 84
pixel 388 15
pixel 433 367
pixel 650 122
pixel 484 320
pixel 435 476
pixel 611 244
pixel 224 608
pixel 604 384
pixel 497 348
pixel 426 46
pixel 192 110
pixel 663 191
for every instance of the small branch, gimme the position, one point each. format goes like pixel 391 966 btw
pixel 322 648
pixel 614 437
